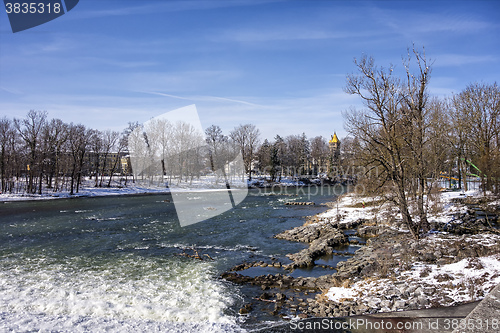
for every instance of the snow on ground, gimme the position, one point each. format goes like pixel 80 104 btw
pixel 352 208
pixel 464 281
pixel 449 208
pixel 87 189
pixel 336 294
pixel 285 181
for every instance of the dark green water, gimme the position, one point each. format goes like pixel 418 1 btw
pixel 118 259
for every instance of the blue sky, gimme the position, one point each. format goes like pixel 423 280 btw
pixel 280 65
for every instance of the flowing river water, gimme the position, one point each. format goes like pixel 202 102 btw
pixel 116 264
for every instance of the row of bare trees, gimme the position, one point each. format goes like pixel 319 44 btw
pixel 183 154
pixel 474 125
pixel 411 138
pixel 38 153
pixel 161 150
pixel 293 155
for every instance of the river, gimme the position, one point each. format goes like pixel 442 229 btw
pixel 116 263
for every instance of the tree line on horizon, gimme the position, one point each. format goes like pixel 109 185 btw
pixel 39 155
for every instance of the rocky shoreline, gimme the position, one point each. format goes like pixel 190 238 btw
pixel 385 260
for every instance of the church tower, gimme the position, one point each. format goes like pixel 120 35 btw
pixel 334 145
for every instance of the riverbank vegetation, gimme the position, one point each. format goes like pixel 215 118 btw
pixel 413 140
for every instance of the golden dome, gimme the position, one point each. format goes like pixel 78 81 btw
pixel 334 138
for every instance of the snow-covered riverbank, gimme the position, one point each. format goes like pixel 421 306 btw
pixel 85 192
pixel 394 272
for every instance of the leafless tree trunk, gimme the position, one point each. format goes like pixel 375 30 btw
pixel 392 130
pixel 119 149
pixel 30 129
pixel 110 139
pixel 78 143
pixel 478 106
pixel 246 138
pixel 7 135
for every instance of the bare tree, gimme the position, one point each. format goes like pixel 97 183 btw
pixel 246 138
pixel 30 130
pixel 392 130
pixel 55 134
pixel 319 153
pixel 96 147
pixel 264 161
pixel 294 154
pixel 188 142
pixel 7 136
pixel 109 142
pixel 278 156
pixel 416 125
pixel 478 112
pixel 78 142
pixel 161 132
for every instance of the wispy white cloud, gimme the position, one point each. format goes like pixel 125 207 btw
pixel 442 60
pixel 121 63
pixel 11 90
pixel 176 82
pixel 411 22
pixel 287 34
pixel 232 100
pixel 56 43
pixel 166 6
pixel 167 95
pixel 204 98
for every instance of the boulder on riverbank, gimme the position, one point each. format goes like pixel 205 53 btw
pixel 317 248
pixel 299 203
pixel 321 238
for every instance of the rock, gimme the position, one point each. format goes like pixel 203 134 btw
pixel 373 302
pixel 412 289
pixel 361 309
pixel 428 257
pixel 429 290
pixel 318 247
pixel 412 306
pixel 299 203
pixel 277 306
pixel 399 304
pixel 392 293
pixel 370 231
pixel 386 304
pixel 246 309
pixel 265 296
pixel 422 301
pixel 418 292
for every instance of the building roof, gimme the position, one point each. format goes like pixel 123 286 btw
pixel 334 138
